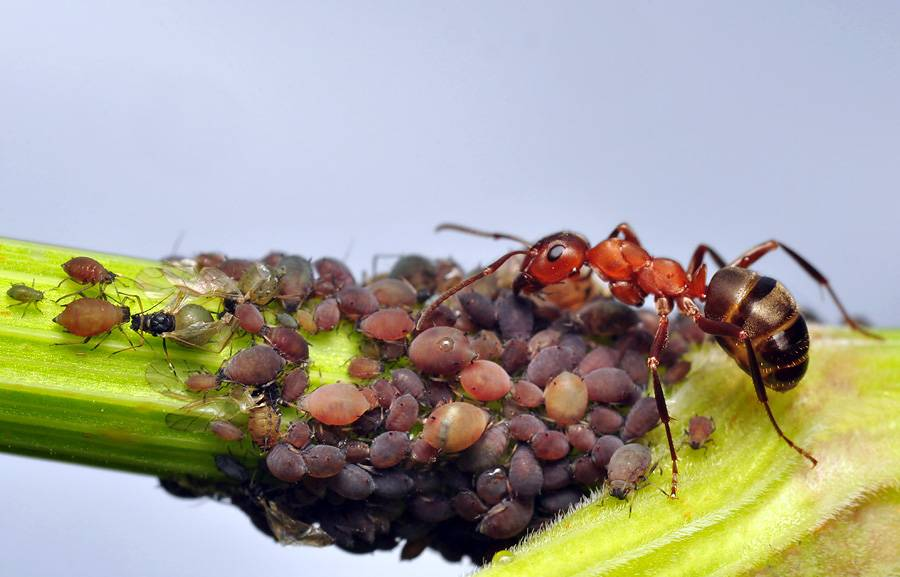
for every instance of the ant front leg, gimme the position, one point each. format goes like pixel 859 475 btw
pixel 759 251
pixel 663 309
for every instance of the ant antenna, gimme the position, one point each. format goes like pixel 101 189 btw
pixel 489 270
pixel 476 232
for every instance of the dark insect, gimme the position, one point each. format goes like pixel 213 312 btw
pixel 186 323
pixel 753 317
pixel 89 318
pixel 26 295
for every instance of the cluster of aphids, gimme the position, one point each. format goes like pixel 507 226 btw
pixel 500 412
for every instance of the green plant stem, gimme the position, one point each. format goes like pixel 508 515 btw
pixel 747 505
pixel 95 407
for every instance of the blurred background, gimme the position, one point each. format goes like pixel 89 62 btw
pixel 350 130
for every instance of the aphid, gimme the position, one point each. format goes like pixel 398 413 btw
pixel 606 421
pixel 286 463
pixel 699 430
pixel 84 270
pixel 89 318
pixel 441 351
pixel 249 318
pixel 491 485
pixel 454 427
pixel 392 292
pixel 525 475
pixel 353 482
pixel 333 275
pixel 507 518
pixel 392 484
pixel 468 506
pixel 26 295
pixel 487 452
pixel 547 364
pixel 611 386
pixel 323 461
pixel 402 414
pixel 258 284
pixel 523 427
pixel 527 394
pixel 485 380
pixel 387 325
pixel 581 437
pixel 566 399
pixel 389 449
pixel 550 445
pixel 754 318
pixel 226 431
pixel 289 343
pixel 627 467
pixel 295 281
pixel 254 366
pixel 335 404
pixel 263 424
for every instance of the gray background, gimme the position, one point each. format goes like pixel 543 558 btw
pixel 354 129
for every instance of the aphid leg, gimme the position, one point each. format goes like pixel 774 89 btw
pixel 168 360
pixel 79 293
pixel 663 308
pixel 476 232
pixel 759 251
pixel 626 231
pixel 763 398
pixel 489 270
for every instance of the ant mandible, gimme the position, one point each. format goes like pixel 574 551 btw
pixel 753 317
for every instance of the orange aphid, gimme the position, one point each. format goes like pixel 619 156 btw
pixel 335 404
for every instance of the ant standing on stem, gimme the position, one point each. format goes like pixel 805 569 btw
pixel 753 317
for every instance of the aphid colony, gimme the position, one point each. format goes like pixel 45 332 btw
pixel 501 412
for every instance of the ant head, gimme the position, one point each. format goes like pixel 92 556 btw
pixel 551 260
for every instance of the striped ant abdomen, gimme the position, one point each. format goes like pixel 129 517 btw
pixel 768 313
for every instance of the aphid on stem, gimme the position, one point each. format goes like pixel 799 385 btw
pixel 26 295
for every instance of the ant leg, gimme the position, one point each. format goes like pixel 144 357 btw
pixel 728 330
pixel 759 251
pixel 663 309
pixel 626 231
pixel 489 270
pixel 764 399
pixel 697 259
pixel 476 232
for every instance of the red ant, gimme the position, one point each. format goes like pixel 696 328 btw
pixel 754 318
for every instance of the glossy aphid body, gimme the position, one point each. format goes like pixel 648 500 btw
pixel 88 272
pixel 754 318
pixel 88 318
pixel 26 295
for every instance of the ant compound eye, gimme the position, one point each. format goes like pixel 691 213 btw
pixel 555 252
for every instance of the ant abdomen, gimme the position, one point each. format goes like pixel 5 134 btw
pixel 768 313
